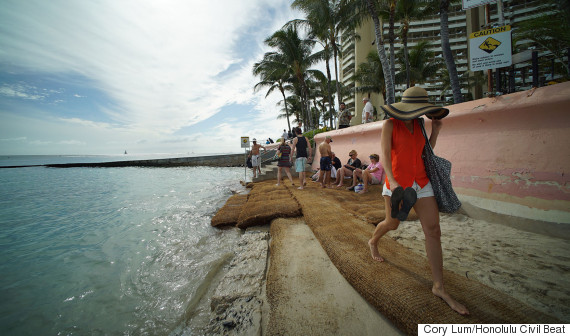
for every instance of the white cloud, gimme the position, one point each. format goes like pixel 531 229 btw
pixel 166 64
pixel 155 58
pixel 20 91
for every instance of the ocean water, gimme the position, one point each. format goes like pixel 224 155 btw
pixel 110 251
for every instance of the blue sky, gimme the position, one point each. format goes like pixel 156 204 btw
pixel 146 76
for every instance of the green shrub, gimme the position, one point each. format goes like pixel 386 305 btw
pixel 311 134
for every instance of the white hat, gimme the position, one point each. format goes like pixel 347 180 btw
pixel 254 140
pixel 365 98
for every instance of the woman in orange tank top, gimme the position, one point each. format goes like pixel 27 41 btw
pixel 402 145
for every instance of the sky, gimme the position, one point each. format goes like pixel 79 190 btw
pixel 143 76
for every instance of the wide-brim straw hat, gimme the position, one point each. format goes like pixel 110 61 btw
pixel 414 104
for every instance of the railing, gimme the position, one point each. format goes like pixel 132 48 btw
pixel 530 69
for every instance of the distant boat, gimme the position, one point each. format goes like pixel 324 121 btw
pixel 125 152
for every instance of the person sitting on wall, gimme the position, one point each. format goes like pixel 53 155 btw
pixel 367 111
pixel 343 116
pixel 371 175
pixel 347 169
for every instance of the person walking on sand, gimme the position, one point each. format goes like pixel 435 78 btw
pixel 300 145
pixel 326 162
pixel 284 153
pixel 402 143
pixel 255 159
pixel 371 175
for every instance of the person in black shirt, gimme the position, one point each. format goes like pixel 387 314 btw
pixel 300 145
pixel 352 164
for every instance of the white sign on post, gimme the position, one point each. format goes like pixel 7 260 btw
pixel 475 3
pixel 244 142
pixel 490 49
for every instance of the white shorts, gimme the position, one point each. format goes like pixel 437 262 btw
pixel 426 191
pixel 375 180
pixel 255 160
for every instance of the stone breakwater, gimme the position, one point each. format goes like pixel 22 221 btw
pixel 230 160
pixel 236 306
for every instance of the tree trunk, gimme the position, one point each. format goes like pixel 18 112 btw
pixel 447 55
pixel 391 38
pixel 406 52
pixel 335 55
pixel 331 107
pixel 390 97
pixel 286 109
pixel 338 96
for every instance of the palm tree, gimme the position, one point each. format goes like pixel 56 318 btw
pixel 327 20
pixel 406 12
pixel 369 75
pixel 274 75
pixel 551 31
pixel 296 53
pixel 478 78
pixel 446 50
pixel 386 66
pixel 422 64
pixel 387 11
pixel 295 107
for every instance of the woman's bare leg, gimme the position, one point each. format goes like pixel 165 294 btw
pixel 278 175
pixel 388 224
pixel 428 212
pixel 288 172
pixel 340 177
pixel 365 178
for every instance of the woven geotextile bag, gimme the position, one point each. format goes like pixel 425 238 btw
pixel 438 171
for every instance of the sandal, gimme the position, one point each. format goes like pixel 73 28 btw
pixel 410 198
pixel 397 196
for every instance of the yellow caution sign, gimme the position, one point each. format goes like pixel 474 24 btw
pixel 489 45
pixel 244 142
pixel 490 49
pixel 490 31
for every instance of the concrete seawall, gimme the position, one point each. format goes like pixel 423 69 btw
pixel 510 156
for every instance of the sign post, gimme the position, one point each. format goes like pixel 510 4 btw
pixel 245 144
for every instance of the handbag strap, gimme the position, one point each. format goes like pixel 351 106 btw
pixel 428 144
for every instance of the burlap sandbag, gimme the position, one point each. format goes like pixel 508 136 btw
pixel 400 287
pixel 229 213
pixel 266 202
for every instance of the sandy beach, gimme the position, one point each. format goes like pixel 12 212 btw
pixel 530 267
pixel 304 293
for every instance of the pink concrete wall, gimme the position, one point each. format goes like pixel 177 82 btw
pixel 513 148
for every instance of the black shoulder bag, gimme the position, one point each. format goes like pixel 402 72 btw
pixel 438 171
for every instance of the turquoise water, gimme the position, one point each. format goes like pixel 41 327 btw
pixel 110 251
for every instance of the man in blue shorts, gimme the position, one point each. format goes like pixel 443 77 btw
pixel 300 145
pixel 326 162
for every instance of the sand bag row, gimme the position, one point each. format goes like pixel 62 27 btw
pixel 266 202
pixel 400 287
pixel 229 213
